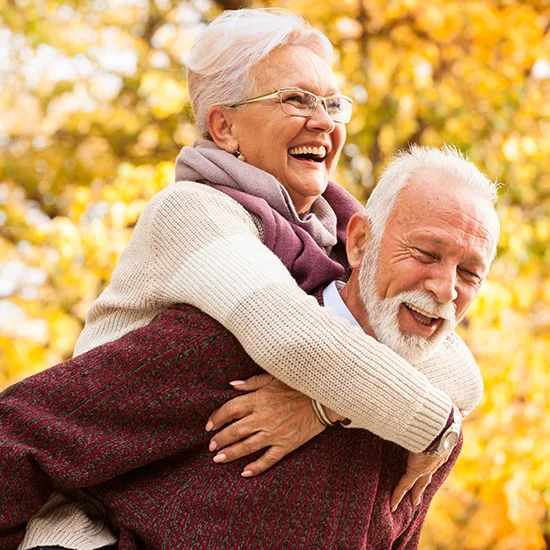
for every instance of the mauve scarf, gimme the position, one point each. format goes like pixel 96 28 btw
pixel 300 242
pixel 207 163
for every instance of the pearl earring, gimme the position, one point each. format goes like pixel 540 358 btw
pixel 239 155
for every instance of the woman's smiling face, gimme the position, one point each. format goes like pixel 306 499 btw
pixel 278 143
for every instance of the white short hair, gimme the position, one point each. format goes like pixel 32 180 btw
pixel 406 164
pixel 220 63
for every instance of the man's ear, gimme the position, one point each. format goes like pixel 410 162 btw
pixel 222 128
pixel 358 238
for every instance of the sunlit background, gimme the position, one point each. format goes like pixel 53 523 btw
pixel 94 109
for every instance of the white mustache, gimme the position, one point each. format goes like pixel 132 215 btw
pixel 425 301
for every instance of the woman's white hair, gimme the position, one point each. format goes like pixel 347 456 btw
pixel 448 161
pixel 219 70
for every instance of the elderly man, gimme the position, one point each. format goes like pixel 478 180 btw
pixel 401 290
pixel 414 276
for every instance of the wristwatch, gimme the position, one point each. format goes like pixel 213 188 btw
pixel 448 438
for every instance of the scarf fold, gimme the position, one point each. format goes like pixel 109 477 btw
pixel 205 162
pixel 301 243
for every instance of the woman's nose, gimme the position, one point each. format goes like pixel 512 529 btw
pixel 320 119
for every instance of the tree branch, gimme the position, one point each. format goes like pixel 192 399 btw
pixel 234 4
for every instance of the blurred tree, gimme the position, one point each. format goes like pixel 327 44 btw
pixel 94 109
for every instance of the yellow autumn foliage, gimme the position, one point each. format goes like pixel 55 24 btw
pixel 94 108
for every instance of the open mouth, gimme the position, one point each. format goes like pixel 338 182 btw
pixel 316 154
pixel 425 318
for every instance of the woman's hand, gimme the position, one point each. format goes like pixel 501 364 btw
pixel 272 416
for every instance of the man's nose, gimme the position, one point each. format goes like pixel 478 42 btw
pixel 442 284
pixel 320 119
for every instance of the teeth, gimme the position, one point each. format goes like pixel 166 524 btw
pixel 303 150
pixel 421 311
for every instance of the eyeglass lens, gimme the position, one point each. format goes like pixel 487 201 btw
pixel 298 103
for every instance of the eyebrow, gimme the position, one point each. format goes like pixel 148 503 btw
pixel 308 88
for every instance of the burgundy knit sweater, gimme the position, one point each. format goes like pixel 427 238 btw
pixel 126 422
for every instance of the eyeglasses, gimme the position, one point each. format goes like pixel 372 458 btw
pixel 298 102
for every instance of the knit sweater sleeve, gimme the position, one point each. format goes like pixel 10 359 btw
pixel 195 245
pixel 453 369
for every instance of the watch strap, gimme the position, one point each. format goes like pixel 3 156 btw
pixel 454 419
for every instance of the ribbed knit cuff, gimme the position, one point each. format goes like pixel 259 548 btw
pixel 429 420
pixel 69 524
pixel 427 424
pixel 436 441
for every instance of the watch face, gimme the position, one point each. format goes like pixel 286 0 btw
pixel 450 441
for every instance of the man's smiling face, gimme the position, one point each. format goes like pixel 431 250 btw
pixel 419 279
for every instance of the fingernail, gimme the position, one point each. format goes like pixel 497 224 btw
pixel 417 501
pixel 220 457
pixel 394 508
pixel 246 473
pixel 213 446
pixel 209 425
pixel 237 382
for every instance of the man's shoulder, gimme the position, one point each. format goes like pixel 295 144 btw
pixel 186 317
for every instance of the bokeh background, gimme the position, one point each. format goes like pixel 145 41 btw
pixel 94 109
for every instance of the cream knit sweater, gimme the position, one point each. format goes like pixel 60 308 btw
pixel 194 244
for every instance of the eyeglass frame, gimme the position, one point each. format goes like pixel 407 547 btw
pixel 318 98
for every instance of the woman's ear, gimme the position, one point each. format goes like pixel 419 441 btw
pixel 222 128
pixel 358 238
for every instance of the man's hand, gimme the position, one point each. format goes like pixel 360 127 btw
pixel 420 469
pixel 273 415
pixel 419 473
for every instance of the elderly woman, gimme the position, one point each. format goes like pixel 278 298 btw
pixel 273 120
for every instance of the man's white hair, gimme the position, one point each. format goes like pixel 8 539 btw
pixel 219 70
pixel 448 161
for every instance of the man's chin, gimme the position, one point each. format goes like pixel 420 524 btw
pixel 411 347
pixel 411 353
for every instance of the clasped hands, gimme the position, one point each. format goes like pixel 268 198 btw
pixel 275 417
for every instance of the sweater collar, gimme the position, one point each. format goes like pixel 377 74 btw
pixel 332 299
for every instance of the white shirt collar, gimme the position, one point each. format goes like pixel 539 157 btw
pixel 332 299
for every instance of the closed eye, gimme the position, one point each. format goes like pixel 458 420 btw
pixel 470 276
pixel 425 256
pixel 299 98
pixel 295 98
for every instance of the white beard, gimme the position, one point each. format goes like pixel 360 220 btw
pixel 383 313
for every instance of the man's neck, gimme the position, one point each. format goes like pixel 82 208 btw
pixel 352 298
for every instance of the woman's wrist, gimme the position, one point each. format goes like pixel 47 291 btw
pixel 326 416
